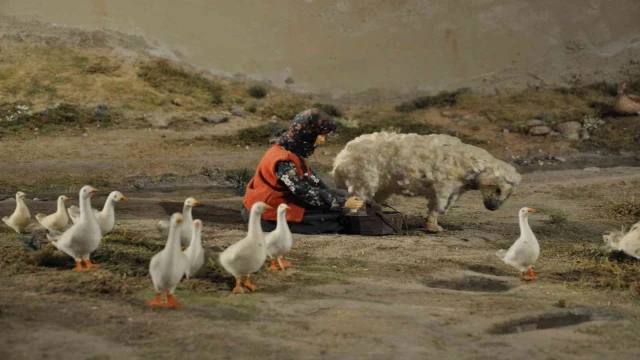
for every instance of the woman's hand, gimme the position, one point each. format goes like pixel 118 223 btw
pixel 353 203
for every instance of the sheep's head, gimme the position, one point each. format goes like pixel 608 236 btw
pixel 496 188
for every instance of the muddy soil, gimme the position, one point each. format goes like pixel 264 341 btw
pixel 394 297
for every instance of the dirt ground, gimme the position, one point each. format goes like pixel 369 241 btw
pixel 403 297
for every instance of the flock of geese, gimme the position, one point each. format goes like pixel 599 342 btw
pixel 183 255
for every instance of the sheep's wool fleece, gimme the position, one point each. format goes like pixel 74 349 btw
pixel 379 164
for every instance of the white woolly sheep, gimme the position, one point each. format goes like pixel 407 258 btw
pixel 439 167
pixel 628 243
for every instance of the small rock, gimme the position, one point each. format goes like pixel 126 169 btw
pixel 555 134
pixel 275 118
pixel 506 131
pixel 592 169
pixel 446 113
pixel 289 80
pixel 561 159
pixel 138 185
pixel 562 303
pixel 584 134
pixel 100 110
pixel 85 135
pixel 326 153
pixel 176 102
pixel 237 111
pixel 539 130
pixel 570 129
pixel 216 118
pixel 534 122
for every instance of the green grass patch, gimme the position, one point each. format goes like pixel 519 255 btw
pixel 169 78
pixel 442 99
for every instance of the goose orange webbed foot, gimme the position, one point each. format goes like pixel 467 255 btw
pixel 157 302
pixel 238 289
pixel 249 285
pixel 78 266
pixel 172 303
pixel 531 276
pixel 274 265
pixel 285 263
pixel 90 265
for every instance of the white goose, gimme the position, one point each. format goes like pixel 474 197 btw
pixel 195 252
pixel 21 218
pixel 279 241
pixel 57 221
pixel 168 266
pixel 247 255
pixel 81 239
pixel 105 218
pixel 187 228
pixel 523 254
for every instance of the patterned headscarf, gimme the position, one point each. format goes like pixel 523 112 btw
pixel 304 131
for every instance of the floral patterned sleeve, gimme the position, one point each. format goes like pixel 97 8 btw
pixel 306 189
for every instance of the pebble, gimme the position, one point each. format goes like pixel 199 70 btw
pixel 216 118
pixel 237 111
pixel 534 122
pixel 85 135
pixel 539 130
pixel 592 169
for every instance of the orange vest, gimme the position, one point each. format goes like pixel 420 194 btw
pixel 265 185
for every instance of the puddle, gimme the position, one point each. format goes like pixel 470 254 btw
pixel 550 321
pixel 469 283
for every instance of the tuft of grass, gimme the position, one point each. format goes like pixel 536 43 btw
pixel 257 91
pixel 36 87
pixel 442 99
pixel 101 65
pixel 164 76
pixel 557 217
pixel 252 108
pixel 239 178
pixel 286 109
pixel 257 135
pixel 626 209
pixel 330 109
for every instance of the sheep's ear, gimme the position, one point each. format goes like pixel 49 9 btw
pixel 488 179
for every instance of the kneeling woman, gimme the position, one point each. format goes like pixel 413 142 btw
pixel 284 176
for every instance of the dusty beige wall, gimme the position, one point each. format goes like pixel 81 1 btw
pixel 347 46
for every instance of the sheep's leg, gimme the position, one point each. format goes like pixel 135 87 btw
pixel 439 202
pixel 432 218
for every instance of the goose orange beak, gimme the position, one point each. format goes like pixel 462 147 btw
pixel 531 210
pixel 124 198
pixel 93 190
pixel 268 207
pixel 67 198
pixel 287 207
pixel 196 203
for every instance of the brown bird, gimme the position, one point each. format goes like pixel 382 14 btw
pixel 626 103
